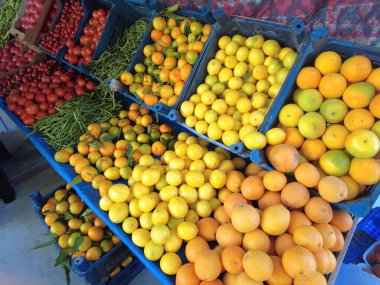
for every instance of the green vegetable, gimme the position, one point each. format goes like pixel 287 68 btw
pixel 118 58
pixel 70 121
pixel 8 15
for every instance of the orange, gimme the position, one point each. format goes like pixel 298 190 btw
pixel 322 258
pixel 208 265
pixel 185 72
pixel 274 180
pixel 332 189
pixel 342 220
pixel 252 188
pixel 283 242
pixel 234 180
pixel 214 282
pixel 295 195
pixel 158 148
pixel 308 77
pixel 185 23
pixel 194 247
pixel 332 85
pixel 95 233
pixel 258 265
pixel 256 239
pixel 358 95
pixel 365 170
pixel 229 279
pixel 150 99
pixel 178 87
pixel 166 41
pixel 227 235
pixel 318 210
pixel 207 228
pixel 328 62
pixel 232 259
pixel 170 62
pixel 358 119
pixel 293 137
pixel 174 75
pixel 338 246
pixel 284 158
pixel 181 62
pixel 328 234
pixel 275 219
pixel 83 148
pixel 243 278
pixel 158 47
pixel 374 106
pixel 175 32
pixel 297 219
pixel 299 262
pixel 221 216
pixel 245 218
pixel 374 78
pixel 157 58
pixel 186 275
pixel 307 174
pixel 156 35
pixel 107 149
pixel 198 46
pixel 308 237
pixel 353 188
pixel 313 149
pixel 279 275
pixel 268 199
pixel 232 200
pixel 356 68
pixel 166 91
pixel 335 136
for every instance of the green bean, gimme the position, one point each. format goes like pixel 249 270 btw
pixel 8 13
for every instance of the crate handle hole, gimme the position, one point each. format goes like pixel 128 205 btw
pixel 77 261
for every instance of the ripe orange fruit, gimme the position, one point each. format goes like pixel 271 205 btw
pixel 274 180
pixel 339 245
pixel 328 62
pixel 297 219
pixel 374 106
pixel 316 279
pixel 283 242
pixel 150 99
pixel 307 174
pixel 295 195
pixel 227 235
pixel 185 72
pixel 186 275
pixel 279 275
pixel 245 218
pixel 356 68
pixel 156 35
pixel 313 149
pixel 221 216
pixel 332 85
pixel 234 180
pixel 243 278
pixel 358 95
pixel 229 279
pixel 214 282
pixel 208 265
pixel 258 265
pixel 308 77
pixel 268 199
pixel 252 188
pixel 322 258
pixel 158 148
pixel 308 237
pixel 318 210
pixel 256 240
pixel 341 220
pixel 95 233
pixel 275 219
pixel 332 189
pixel 293 137
pixel 353 187
pixel 374 78
pixel 207 228
pixel 365 170
pixel 194 247
pixel 328 234
pixel 233 200
pixel 299 262
pixel 284 158
pixel 252 169
pixel 232 259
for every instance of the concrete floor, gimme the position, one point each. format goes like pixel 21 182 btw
pixel 20 229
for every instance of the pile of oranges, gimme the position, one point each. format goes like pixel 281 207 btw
pixel 243 78
pixel 169 60
pixel 86 235
pixel 334 124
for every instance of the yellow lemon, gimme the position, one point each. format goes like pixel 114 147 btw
pixel 255 140
pixel 168 192
pixel 174 243
pixel 187 230
pixel 203 209
pixel 146 221
pixel 218 178
pixel 178 207
pixel 119 192
pixel 118 212
pixel 174 177
pixel 150 177
pixel 141 237
pixel 195 152
pixel 256 56
pixel 219 106
pixel 160 217
pixel 244 105
pixel 170 263
pixel 130 225
pixel 153 251
pixel 275 136
pixel 160 234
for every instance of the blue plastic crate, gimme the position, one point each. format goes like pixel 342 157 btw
pixel 367 233
pixel 204 16
pixel 353 274
pixel 292 36
pixel 94 272
pixel 368 251
pixel 320 42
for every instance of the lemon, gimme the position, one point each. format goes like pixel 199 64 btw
pixel 141 237
pixel 284 51
pixel 201 127
pixel 137 172
pixel 225 74
pixel 139 190
pixel 262 86
pixel 160 216
pixel 180 149
pixel 212 79
pixel 244 105
pixel 146 221
pixel 275 136
pixel 231 48
pixel 197 165
pixel 235 83
pixel 206 192
pixel 260 72
pixel 119 192
pixel 195 152
pixel 194 178
pixel 187 230
pixel 118 212
pixel 147 203
pixel 274 66
pixel 188 193
pixel 160 234
pixel 200 110
pixel 211 116
pixel 178 207
pixel 213 67
pixel 168 192
pixel 274 90
pixel 174 243
pixel 182 136
pixel 187 108
pixel 202 88
pixel 130 225
pixel 161 183
pixel 174 177
pixel 105 203
pixel 214 203
pixel 257 41
pixel 195 98
pixel 242 54
pixel 256 118
pixel 177 164
pixel 211 160
pixel 219 106
pixel 192 140
pixel 246 129
pixel 271 47
pixel 231 97
pixel 208 97
pixel 230 137
pixel 239 39
pixel 230 61
pixel 223 41
pixel 290 115
pixel 281 75
pixel 271 79
pixel 289 59
pixel 134 209
pixel 226 122
pixel 203 209
pixel 220 55
pixel 167 156
pixel 153 251
pixel 192 216
pixel 162 206
pixel 255 140
pixel 218 178
pixel 256 56
pixel 248 88
pixel 146 160
pixel 245 118
pixel 170 263
pixel 240 69
pixel 150 177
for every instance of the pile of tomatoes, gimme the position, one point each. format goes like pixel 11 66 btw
pixel 71 17
pixel 82 52
pixel 36 91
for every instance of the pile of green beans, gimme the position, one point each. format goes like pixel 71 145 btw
pixel 118 58
pixel 71 120
pixel 8 13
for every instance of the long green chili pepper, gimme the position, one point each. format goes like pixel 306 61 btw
pixel 118 58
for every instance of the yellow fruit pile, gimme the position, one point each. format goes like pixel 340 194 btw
pixel 334 123
pixel 243 78
pixel 169 60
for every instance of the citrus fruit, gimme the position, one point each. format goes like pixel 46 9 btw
pixel 332 85
pixel 160 234
pixel 328 62
pixel 178 207
pixel 365 170
pixel 187 230
pixel 118 212
pixel 119 192
pixel 275 219
pixel 310 100
pixel 208 265
pixel 359 95
pixel 312 125
pixel 335 136
pixel 254 140
pixel 275 136
pixel 362 144
pixel 290 115
pixel 356 68
pixel 153 251
pixel 258 265
pixel 308 77
pixel 333 110
pixel 299 262
pixel 357 119
pixel 373 78
pixel 170 263
pixel 335 162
